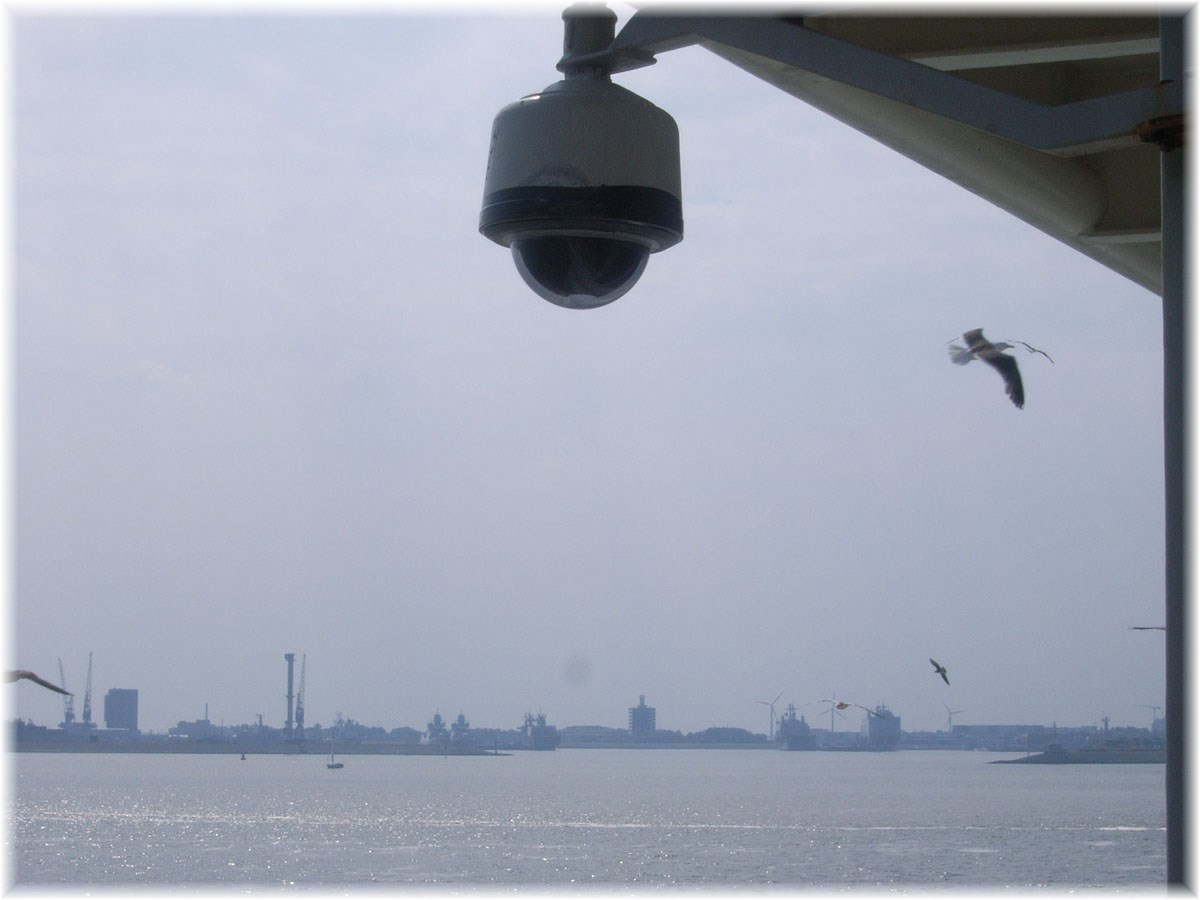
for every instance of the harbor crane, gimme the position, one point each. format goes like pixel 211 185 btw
pixel 87 694
pixel 1153 709
pixel 68 699
pixel 300 701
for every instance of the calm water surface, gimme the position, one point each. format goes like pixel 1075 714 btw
pixel 613 818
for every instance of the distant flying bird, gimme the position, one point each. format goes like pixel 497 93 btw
pixel 837 704
pixel 18 674
pixel 939 669
pixel 979 347
pixel 1147 627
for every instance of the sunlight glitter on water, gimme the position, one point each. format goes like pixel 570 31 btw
pixel 172 821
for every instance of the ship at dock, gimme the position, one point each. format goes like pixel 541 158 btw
pixel 539 735
pixel 880 732
pixel 882 729
pixel 793 732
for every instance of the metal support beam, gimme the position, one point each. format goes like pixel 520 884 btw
pixel 1066 129
pixel 1175 463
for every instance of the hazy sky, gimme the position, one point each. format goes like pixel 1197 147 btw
pixel 275 393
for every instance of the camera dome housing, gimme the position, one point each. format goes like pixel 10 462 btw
pixel 583 185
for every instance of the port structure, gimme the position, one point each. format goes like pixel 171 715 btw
pixel 87 694
pixel 68 699
pixel 287 728
pixel 300 701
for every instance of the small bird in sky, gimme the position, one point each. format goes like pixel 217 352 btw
pixel 979 347
pixel 939 669
pixel 1147 627
pixel 837 704
pixel 18 674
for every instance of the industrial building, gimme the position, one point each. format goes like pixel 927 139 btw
pixel 121 709
pixel 642 719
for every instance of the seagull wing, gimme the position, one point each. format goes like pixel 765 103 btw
pixel 1033 349
pixel 19 674
pixel 975 340
pixel 984 349
pixel 1007 367
pixel 939 669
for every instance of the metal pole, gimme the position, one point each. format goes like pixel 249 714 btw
pixel 1175 398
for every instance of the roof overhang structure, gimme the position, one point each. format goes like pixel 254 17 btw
pixel 1058 119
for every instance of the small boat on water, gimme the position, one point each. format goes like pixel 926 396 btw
pixel 333 763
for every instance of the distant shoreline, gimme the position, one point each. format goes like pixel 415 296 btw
pixel 252 750
pixel 1086 757
pixel 382 749
pixel 396 749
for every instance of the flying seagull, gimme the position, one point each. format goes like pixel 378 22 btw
pixel 939 669
pixel 18 674
pixel 979 347
pixel 837 704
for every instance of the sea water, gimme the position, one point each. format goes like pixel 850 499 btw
pixel 728 819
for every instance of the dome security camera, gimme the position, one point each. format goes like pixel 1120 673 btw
pixel 583 185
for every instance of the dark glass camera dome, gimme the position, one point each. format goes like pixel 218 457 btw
pixel 579 272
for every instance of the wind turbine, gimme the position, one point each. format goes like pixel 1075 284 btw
pixel 950 714
pixel 771 706
pixel 835 709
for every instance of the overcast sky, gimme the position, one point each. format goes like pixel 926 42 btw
pixel 275 393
